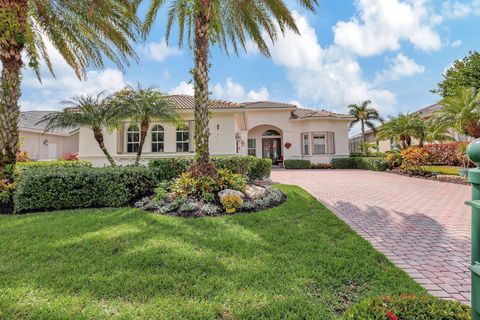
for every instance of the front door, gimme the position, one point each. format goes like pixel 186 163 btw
pixel 271 148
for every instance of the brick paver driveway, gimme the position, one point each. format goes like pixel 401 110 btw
pixel 422 226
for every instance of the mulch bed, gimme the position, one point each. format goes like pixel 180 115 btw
pixel 429 176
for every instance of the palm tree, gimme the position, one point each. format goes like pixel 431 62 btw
pixel 220 22
pixel 142 106
pixel 86 111
pixel 462 112
pixel 402 129
pixel 85 32
pixel 365 116
pixel 435 131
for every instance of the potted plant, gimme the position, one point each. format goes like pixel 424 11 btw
pixel 231 203
pixel 462 155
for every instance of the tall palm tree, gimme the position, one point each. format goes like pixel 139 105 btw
pixel 365 116
pixel 403 129
pixel 462 112
pixel 223 23
pixel 86 111
pixel 85 32
pixel 143 106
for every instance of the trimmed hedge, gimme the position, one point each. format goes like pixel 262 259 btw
pixel 71 188
pixel 22 166
pixel 254 168
pixel 408 307
pixel 297 164
pixel 365 163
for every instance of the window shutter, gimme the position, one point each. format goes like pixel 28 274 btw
pixel 330 142
pixel 191 135
pixel 120 139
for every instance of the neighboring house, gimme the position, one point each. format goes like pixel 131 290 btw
pixel 45 146
pixel 262 129
pixel 386 145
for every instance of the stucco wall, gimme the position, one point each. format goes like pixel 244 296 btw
pixel 42 146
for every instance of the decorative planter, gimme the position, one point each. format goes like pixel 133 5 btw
pixel 230 210
pixel 463 172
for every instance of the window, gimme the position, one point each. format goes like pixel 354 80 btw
pixel 158 137
pixel 305 144
pixel 319 145
pixel 133 138
pixel 252 147
pixel 182 139
pixel 270 133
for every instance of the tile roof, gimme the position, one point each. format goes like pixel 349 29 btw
pixel 268 105
pixel 429 110
pixel 300 113
pixel 30 119
pixel 187 102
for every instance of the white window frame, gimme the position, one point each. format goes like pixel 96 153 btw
pixel 130 132
pixel 302 143
pixel 253 149
pixel 183 143
pixel 159 143
pixel 324 134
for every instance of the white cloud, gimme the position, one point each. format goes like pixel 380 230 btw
pixel 456 43
pixel 458 9
pixel 233 91
pixel 328 76
pixel 160 51
pixel 382 25
pixel 182 88
pixel 51 91
pixel 401 66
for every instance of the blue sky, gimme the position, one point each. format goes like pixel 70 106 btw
pixel 389 51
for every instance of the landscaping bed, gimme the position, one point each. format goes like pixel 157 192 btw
pixel 295 261
pixel 429 176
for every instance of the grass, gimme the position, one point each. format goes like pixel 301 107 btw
pixel 296 261
pixel 445 170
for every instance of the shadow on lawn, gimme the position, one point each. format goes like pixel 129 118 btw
pixel 296 259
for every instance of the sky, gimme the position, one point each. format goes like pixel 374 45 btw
pixel 392 52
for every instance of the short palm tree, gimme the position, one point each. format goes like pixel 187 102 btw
pixel 222 23
pixel 144 106
pixel 86 111
pixel 85 32
pixel 462 112
pixel 402 129
pixel 365 116
pixel 435 131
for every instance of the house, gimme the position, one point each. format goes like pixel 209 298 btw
pixel 45 146
pixel 386 145
pixel 262 129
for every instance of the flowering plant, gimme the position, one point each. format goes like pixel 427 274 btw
pixel 288 145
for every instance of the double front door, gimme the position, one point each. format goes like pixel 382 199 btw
pixel 272 148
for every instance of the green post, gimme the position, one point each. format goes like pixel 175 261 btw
pixel 473 153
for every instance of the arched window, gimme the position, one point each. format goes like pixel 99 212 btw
pixel 133 138
pixel 158 137
pixel 183 139
pixel 271 133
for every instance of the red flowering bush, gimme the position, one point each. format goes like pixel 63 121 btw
pixel 71 156
pixel 408 307
pixel 413 158
pixel 22 156
pixel 446 153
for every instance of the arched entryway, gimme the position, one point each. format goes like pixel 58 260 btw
pixel 265 141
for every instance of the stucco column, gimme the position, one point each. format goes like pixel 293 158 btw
pixel 243 143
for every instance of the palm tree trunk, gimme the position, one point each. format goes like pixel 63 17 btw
pixel 99 138
pixel 144 125
pixel 203 165
pixel 364 138
pixel 11 58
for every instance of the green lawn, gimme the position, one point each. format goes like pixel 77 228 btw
pixel 297 261
pixel 449 170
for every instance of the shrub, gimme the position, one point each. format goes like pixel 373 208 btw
pixel 254 168
pixel 344 163
pixel 297 164
pixel 413 158
pixel 393 159
pixel 371 163
pixel 23 166
pixel 231 202
pixel 321 166
pixel 69 188
pixel 445 153
pixel 229 180
pixel 71 156
pixel 408 308
pixel 22 156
